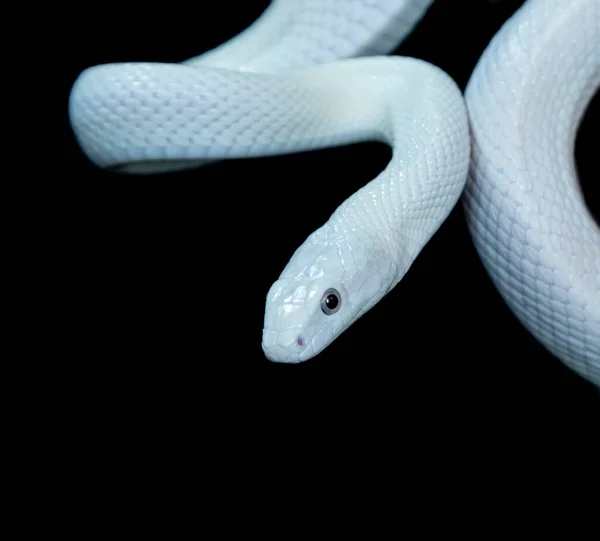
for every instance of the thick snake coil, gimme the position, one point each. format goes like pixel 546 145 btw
pixel 288 83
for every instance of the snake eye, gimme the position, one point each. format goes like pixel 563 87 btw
pixel 331 301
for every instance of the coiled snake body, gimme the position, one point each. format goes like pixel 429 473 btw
pixel 289 83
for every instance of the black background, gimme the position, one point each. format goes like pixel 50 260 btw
pixel 169 273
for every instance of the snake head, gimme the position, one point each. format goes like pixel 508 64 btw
pixel 324 288
pixel 302 318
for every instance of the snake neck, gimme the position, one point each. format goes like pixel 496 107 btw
pixel 417 110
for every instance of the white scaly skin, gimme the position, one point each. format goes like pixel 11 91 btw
pixel 526 214
pixel 156 117
pixel 371 240
pixel 374 236
pixel 244 99
pixel 289 35
pixel 296 34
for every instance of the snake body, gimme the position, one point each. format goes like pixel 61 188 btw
pixel 290 83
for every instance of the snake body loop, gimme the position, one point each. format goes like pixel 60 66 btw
pixel 289 83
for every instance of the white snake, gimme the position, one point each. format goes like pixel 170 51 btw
pixel 287 84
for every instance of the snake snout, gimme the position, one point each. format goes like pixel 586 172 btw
pixel 284 346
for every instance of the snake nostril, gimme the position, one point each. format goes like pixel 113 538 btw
pixel 300 341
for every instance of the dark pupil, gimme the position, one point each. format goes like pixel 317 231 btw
pixel 331 301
